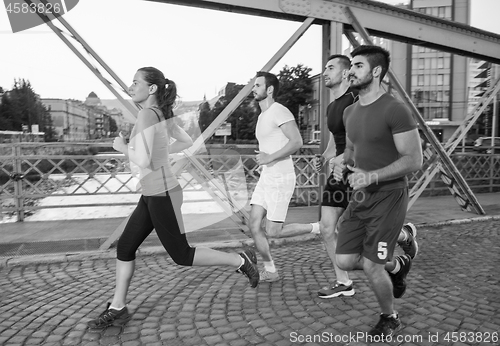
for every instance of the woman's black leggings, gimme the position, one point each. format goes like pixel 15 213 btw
pixel 162 213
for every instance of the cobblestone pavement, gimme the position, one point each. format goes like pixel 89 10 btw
pixel 452 299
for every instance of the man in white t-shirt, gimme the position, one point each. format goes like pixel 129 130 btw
pixel 278 137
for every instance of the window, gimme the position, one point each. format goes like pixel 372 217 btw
pixel 446 96
pixel 427 64
pixel 417 96
pixel 439 96
pixel 440 62
pixel 447 62
pixel 421 64
pixel 448 12
pixel 433 96
pixel 441 12
pixel 420 79
pixel 440 79
pixel 446 79
pixel 433 62
pixel 427 79
pixel 414 64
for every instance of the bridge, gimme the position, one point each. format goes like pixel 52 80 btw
pixel 358 21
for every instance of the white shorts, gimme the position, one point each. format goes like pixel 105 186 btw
pixel 273 192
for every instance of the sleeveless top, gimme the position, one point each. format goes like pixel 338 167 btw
pixel 158 176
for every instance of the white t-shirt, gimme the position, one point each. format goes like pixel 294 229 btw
pixel 271 138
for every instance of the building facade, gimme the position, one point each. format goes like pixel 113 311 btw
pixel 80 121
pixel 69 119
pixel 437 82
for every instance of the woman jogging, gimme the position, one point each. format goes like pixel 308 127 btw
pixel 159 207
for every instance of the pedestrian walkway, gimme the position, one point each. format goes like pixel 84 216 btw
pixel 452 299
pixel 76 238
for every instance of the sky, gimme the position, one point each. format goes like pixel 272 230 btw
pixel 200 49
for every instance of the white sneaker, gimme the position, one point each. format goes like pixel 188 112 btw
pixel 266 276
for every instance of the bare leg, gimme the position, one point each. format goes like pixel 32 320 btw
pixel 208 257
pixel 257 214
pixel 377 275
pixel 328 228
pixel 381 285
pixel 124 274
pixel 297 228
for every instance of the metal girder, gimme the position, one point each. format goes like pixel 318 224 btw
pixel 215 189
pixel 78 41
pixel 379 19
pixel 449 172
pixel 451 144
pixel 240 97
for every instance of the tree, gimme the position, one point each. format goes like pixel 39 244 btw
pixel 295 90
pixel 113 128
pixel 295 87
pixel 22 106
pixel 205 118
pixel 243 119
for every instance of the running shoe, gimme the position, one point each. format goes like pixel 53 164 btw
pixel 249 268
pixel 266 276
pixel 399 279
pixel 410 245
pixel 386 327
pixel 336 290
pixel 110 317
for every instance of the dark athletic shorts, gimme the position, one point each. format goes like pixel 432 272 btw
pixel 371 224
pixel 336 193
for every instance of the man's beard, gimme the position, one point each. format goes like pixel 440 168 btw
pixel 259 98
pixel 363 83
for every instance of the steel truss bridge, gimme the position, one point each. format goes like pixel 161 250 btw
pixel 337 17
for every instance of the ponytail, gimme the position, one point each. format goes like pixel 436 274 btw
pixel 166 93
pixel 166 99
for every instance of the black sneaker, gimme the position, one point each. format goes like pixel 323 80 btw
pixel 386 327
pixel 336 290
pixel 410 245
pixel 110 317
pixel 249 268
pixel 399 279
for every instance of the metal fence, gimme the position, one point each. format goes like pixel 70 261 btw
pixel 36 176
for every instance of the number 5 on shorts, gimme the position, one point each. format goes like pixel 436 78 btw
pixel 382 250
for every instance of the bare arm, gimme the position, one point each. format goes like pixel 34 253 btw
pixel 342 160
pixel 182 139
pixel 291 131
pixel 410 151
pixel 330 151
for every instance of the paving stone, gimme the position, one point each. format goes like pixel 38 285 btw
pixel 173 305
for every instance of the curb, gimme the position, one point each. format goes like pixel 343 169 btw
pixel 459 221
pixel 155 250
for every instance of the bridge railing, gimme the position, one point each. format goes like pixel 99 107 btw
pixel 35 176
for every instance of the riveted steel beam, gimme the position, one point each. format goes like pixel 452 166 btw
pixel 379 19
pixel 449 172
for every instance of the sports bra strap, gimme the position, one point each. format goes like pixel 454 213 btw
pixel 153 109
